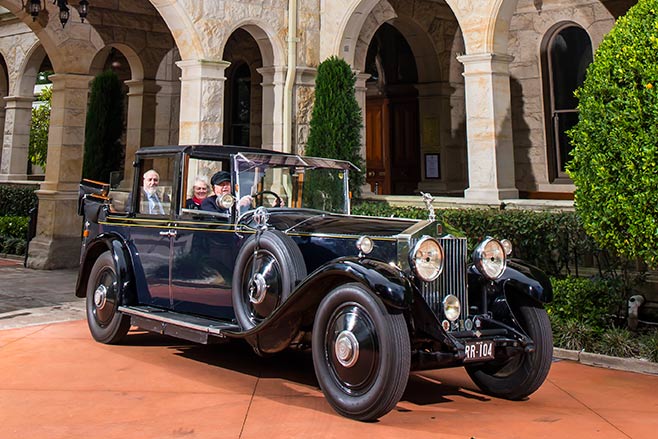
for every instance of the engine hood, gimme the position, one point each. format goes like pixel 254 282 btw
pixel 302 221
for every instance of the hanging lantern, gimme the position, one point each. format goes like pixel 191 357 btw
pixel 64 12
pixel 35 8
pixel 83 9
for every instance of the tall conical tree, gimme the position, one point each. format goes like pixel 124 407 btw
pixel 335 127
pixel 103 151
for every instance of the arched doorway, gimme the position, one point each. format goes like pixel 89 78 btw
pixel 243 92
pixel 392 125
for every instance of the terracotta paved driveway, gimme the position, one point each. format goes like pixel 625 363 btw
pixel 56 382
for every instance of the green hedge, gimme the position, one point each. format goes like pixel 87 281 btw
pixel 553 241
pixel 17 200
pixel 13 234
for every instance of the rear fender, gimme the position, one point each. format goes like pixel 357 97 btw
pixel 122 264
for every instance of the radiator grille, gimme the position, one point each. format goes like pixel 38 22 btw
pixel 452 280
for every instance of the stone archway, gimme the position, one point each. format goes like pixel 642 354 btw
pixel 426 112
pixel 243 96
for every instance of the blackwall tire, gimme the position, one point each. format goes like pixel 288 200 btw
pixel 257 292
pixel 519 377
pixel 106 323
pixel 361 353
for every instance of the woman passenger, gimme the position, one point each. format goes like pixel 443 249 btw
pixel 199 193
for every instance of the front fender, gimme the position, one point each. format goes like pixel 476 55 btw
pixel 527 279
pixel 122 264
pixel 298 312
pixel 387 282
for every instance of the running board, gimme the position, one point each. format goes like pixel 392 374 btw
pixel 187 327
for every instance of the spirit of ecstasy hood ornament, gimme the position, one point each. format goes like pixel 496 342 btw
pixel 427 199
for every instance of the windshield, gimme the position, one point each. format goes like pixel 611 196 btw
pixel 299 182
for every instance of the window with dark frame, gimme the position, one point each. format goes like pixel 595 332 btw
pixel 566 58
pixel 241 108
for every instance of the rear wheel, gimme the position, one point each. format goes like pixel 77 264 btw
pixel 106 323
pixel 361 353
pixel 519 376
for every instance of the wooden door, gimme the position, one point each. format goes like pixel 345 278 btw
pixel 377 145
pixel 405 146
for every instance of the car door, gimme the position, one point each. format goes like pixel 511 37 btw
pixel 203 249
pixel 203 255
pixel 151 232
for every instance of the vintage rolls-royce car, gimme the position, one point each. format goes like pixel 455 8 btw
pixel 280 263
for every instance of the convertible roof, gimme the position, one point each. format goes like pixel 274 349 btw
pixel 256 154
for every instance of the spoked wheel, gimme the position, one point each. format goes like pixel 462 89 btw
pixel 278 201
pixel 519 376
pixel 361 353
pixel 106 323
pixel 265 276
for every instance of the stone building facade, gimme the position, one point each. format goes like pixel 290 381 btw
pixel 463 98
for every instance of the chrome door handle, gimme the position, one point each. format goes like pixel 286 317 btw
pixel 168 233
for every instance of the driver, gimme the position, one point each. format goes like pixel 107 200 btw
pixel 221 184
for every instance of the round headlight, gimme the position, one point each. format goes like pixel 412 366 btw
pixel 507 245
pixel 365 245
pixel 427 259
pixel 489 258
pixel 451 307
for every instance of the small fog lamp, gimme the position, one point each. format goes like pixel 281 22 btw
pixel 507 245
pixel 451 307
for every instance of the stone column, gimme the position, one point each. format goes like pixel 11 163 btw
pixel 274 79
pixel 16 139
pixel 2 124
pixel 57 243
pixel 140 124
pixel 167 108
pixel 202 101
pixel 489 127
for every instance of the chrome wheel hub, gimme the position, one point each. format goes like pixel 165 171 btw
pixel 100 296
pixel 258 289
pixel 346 349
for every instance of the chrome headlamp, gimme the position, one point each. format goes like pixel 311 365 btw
pixel 365 245
pixel 426 259
pixel 489 258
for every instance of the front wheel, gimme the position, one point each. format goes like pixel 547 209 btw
pixel 521 375
pixel 106 323
pixel 361 353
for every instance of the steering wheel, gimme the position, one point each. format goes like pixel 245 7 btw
pixel 278 203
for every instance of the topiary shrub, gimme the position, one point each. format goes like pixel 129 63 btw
pixel 615 154
pixel 335 126
pixel 103 152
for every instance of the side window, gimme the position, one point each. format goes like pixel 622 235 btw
pixel 567 53
pixel 197 187
pixel 155 186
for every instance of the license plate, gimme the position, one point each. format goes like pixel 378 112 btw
pixel 479 350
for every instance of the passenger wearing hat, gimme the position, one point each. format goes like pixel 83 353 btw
pixel 221 184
